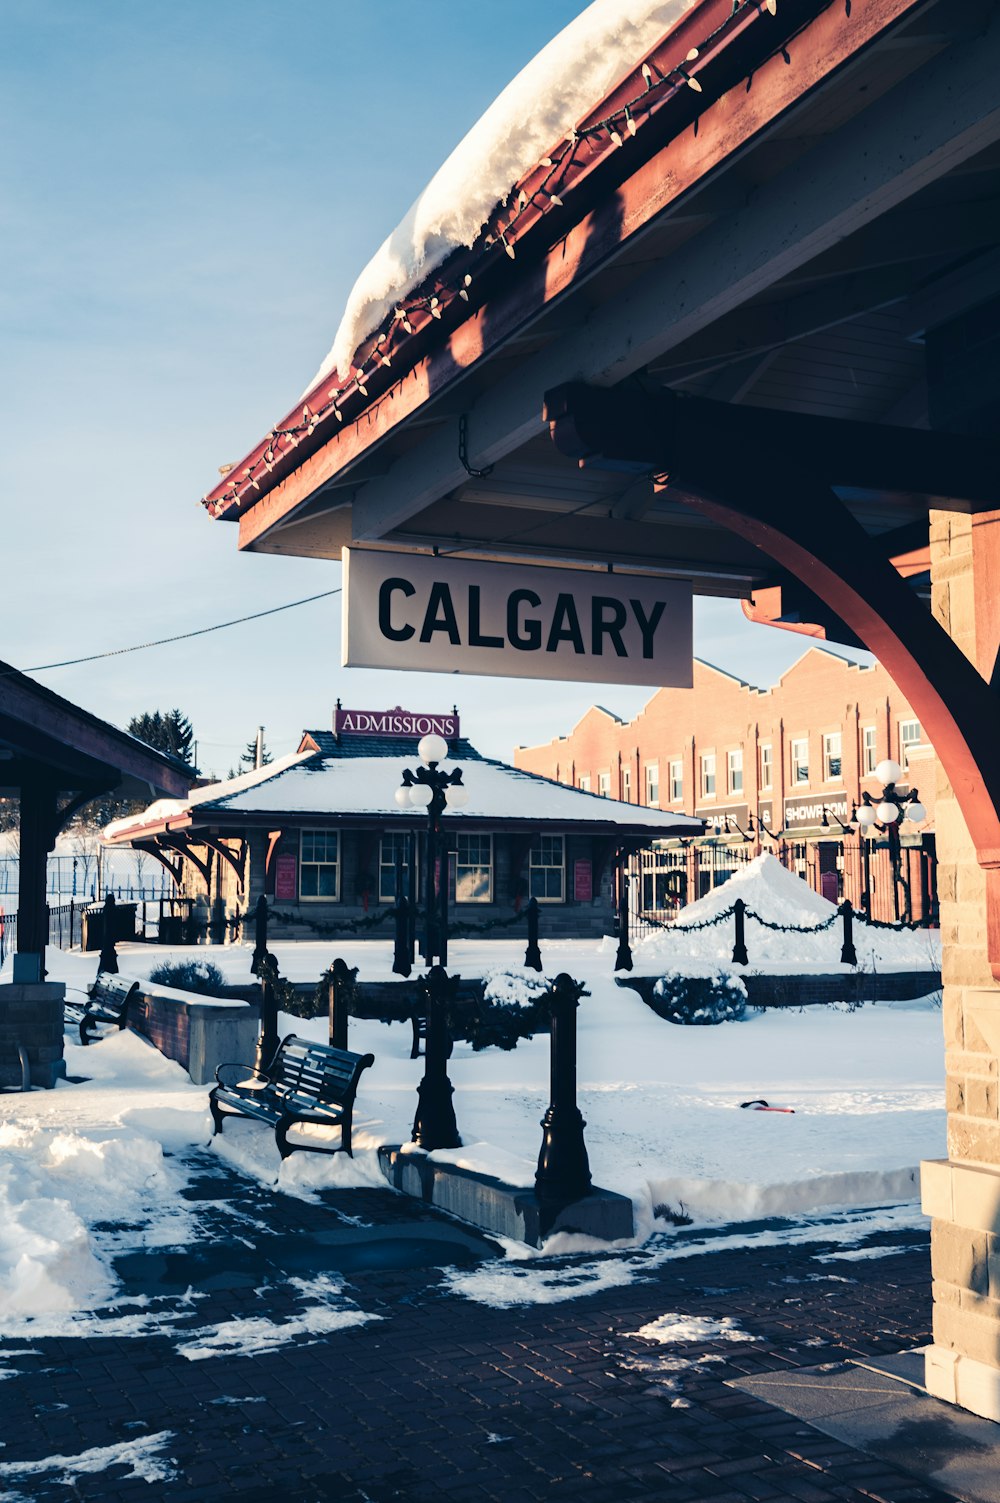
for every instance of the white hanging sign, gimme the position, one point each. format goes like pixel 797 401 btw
pixel 451 615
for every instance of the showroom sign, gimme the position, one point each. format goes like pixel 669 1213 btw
pixel 448 615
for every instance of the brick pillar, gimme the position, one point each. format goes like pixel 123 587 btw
pixel 962 1193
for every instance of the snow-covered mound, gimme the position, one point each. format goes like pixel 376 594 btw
pixel 774 894
pixel 779 897
pixel 543 102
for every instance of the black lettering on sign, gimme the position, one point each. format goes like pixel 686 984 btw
pixel 476 638
pixel 565 625
pixel 526 636
pixel 440 615
pixel 601 627
pixel 648 626
pixel 385 626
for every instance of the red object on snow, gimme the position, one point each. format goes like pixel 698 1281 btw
pixel 762 1106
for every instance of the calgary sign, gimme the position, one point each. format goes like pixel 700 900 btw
pixel 448 615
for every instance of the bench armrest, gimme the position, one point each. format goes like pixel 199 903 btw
pixel 247 1076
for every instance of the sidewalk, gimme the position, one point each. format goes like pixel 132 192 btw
pixel 398 1385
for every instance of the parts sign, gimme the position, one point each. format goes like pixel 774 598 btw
pixel 450 615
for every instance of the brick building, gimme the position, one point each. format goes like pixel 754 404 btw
pixel 320 834
pixel 783 765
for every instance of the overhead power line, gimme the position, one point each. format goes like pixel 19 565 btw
pixel 184 636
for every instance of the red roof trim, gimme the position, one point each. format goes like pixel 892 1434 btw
pixel 670 86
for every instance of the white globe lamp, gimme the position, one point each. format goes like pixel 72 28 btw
pixel 420 795
pixel 456 796
pixel 916 812
pixel 402 797
pixel 866 816
pixel 888 771
pixel 432 749
pixel 887 813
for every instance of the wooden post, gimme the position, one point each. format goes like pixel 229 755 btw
pixel 38 819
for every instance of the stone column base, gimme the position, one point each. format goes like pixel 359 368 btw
pixel 963 1365
pixel 962 1380
pixel 31 1018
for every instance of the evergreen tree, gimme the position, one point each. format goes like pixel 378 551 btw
pixel 171 732
pixel 249 757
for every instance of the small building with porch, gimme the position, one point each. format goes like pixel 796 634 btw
pixel 320 834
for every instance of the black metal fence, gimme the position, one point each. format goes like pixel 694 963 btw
pixel 892 886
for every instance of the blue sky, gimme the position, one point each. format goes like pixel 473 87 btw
pixel 187 193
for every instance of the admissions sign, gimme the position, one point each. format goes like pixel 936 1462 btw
pixel 449 615
pixel 395 723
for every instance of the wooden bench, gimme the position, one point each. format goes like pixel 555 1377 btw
pixel 304 1083
pixel 107 1002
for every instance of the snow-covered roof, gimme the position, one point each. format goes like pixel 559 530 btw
pixel 541 104
pixel 357 777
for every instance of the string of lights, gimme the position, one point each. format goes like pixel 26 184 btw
pixel 498 237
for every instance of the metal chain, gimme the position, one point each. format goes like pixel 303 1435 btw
pixel 463 451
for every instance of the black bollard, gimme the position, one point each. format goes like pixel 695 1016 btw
pixel 623 959
pixel 267 1039
pixel 740 944
pixel 260 936
pixel 563 1173
pixel 848 954
pixel 402 960
pixel 341 980
pixel 109 922
pixel 533 955
pixel 434 1125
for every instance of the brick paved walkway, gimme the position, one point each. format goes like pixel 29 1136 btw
pixel 446 1398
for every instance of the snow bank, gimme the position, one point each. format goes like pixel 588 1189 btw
pixel 53 1187
pixel 778 897
pixel 543 103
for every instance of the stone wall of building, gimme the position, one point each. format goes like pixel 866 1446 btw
pixel 962 1193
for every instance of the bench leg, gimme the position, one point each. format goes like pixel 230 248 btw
pixel 217 1114
pixel 345 1136
pixel 85 1025
pixel 281 1136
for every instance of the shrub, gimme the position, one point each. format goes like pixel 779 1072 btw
pixel 716 998
pixel 199 976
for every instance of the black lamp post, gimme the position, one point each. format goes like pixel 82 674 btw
pixel 433 789
pixel 886 813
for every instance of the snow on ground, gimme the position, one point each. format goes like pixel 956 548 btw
pixel 778 897
pixel 95 1167
pixel 143 1457
pixel 541 105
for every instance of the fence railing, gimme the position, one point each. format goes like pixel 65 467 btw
pixel 880 884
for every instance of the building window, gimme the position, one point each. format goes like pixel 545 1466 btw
pixel 652 784
pixel 319 865
pixel 547 868
pixel 734 761
pixel 604 785
pixel 766 767
pixel 708 775
pixel 585 782
pixel 910 735
pixel 474 869
pixel 832 757
pixel 389 846
pixel 869 754
pixel 676 782
pixel 627 784
pixel 800 761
